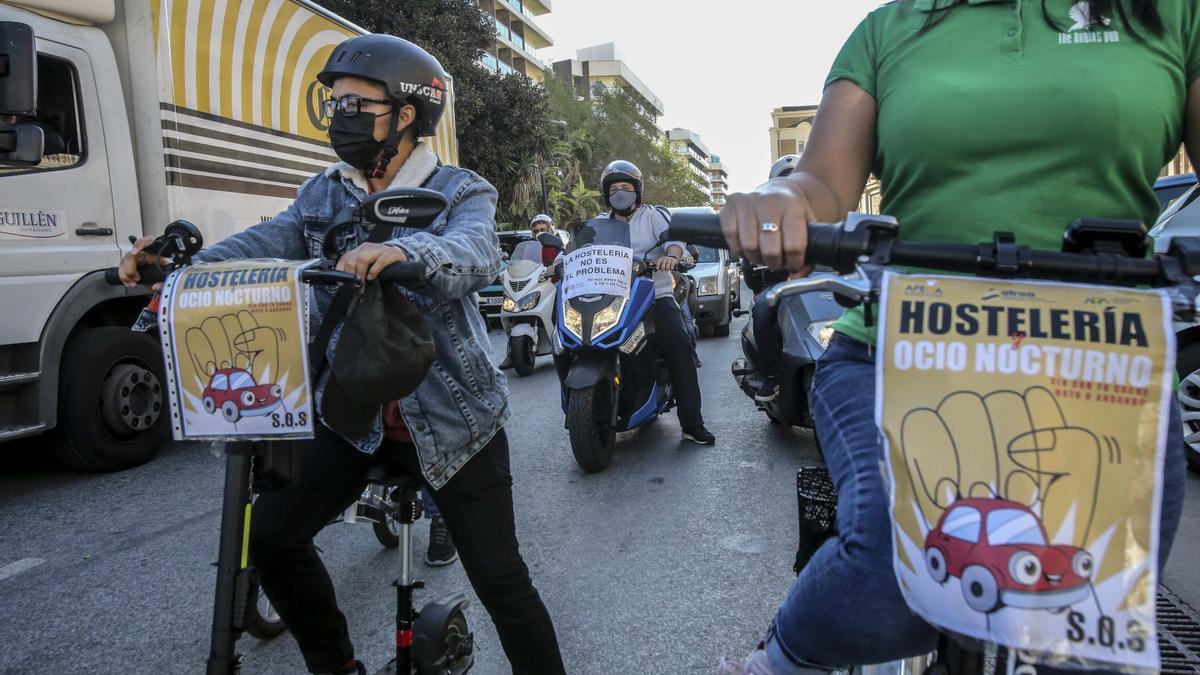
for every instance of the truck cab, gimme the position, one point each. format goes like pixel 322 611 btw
pixel 64 219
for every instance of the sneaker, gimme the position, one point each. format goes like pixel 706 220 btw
pixel 755 664
pixel 698 434
pixel 441 548
pixel 768 392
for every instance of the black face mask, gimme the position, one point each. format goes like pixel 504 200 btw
pixel 623 201
pixel 353 139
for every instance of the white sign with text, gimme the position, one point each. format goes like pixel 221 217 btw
pixel 598 270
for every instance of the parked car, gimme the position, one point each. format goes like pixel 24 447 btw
pixel 714 286
pixel 1181 217
pixel 1000 551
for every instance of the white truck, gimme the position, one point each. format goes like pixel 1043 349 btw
pixel 130 114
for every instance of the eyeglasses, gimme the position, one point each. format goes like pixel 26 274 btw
pixel 349 105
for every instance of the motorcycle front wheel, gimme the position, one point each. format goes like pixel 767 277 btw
pixel 520 350
pixel 592 438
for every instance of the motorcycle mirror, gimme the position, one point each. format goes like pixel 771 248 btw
pixel 551 241
pixel 410 207
pixel 185 237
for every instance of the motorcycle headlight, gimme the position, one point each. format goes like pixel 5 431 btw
pixel 508 305
pixel 708 286
pixel 822 332
pixel 529 301
pixel 607 317
pixel 631 345
pixel 573 320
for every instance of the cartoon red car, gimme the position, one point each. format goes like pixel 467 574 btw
pixel 234 392
pixel 1000 551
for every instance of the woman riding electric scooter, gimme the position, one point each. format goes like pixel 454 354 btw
pixel 387 94
pixel 999 117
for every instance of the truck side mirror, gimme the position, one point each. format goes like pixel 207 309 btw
pixel 21 144
pixel 18 70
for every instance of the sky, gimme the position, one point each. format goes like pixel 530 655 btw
pixel 719 67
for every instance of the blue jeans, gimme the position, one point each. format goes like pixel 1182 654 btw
pixel 845 608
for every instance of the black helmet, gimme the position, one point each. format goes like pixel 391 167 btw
pixel 784 166
pixel 621 171
pixel 410 74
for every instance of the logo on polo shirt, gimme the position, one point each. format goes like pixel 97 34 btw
pixel 1084 31
pixel 1081 14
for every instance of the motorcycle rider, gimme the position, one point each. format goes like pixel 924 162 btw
pixel 761 278
pixel 621 186
pixel 387 94
pixel 995 120
pixel 539 225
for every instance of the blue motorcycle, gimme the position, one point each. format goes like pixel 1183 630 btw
pixel 612 377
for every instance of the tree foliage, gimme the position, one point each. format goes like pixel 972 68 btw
pixel 517 133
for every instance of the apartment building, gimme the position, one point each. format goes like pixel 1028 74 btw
pixel 688 145
pixel 604 66
pixel 790 128
pixel 719 179
pixel 517 37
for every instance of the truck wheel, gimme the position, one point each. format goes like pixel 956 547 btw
pixel 592 439
pixel 520 349
pixel 112 400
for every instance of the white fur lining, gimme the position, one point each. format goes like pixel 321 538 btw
pixel 416 169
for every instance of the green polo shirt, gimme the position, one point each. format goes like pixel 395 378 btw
pixel 995 121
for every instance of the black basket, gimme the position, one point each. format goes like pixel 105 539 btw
pixel 817 501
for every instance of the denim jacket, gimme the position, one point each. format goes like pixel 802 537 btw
pixel 463 400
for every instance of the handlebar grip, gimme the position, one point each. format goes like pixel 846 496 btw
pixel 149 274
pixel 697 226
pixel 403 273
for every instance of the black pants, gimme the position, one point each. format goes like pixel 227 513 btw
pixel 478 509
pixel 673 343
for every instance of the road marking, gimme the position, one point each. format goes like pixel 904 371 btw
pixel 16 568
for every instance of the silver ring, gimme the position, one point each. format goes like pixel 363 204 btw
pixel 769 227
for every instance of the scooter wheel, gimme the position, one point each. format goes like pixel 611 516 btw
pixel 262 621
pixel 445 647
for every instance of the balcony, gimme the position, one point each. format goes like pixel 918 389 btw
pixel 513 11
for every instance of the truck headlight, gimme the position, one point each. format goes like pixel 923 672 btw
pixel 529 301
pixel 607 317
pixel 573 320
pixel 508 305
pixel 708 286
pixel 822 332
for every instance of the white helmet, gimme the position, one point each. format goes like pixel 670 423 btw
pixel 541 217
pixel 784 166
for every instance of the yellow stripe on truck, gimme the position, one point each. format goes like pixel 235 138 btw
pixel 256 62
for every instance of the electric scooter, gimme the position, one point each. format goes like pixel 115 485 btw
pixel 1094 252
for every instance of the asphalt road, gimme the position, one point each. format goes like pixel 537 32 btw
pixel 673 557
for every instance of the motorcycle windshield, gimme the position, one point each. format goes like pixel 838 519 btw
pixel 604 231
pixel 525 259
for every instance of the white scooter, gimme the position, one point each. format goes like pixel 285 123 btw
pixel 527 314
